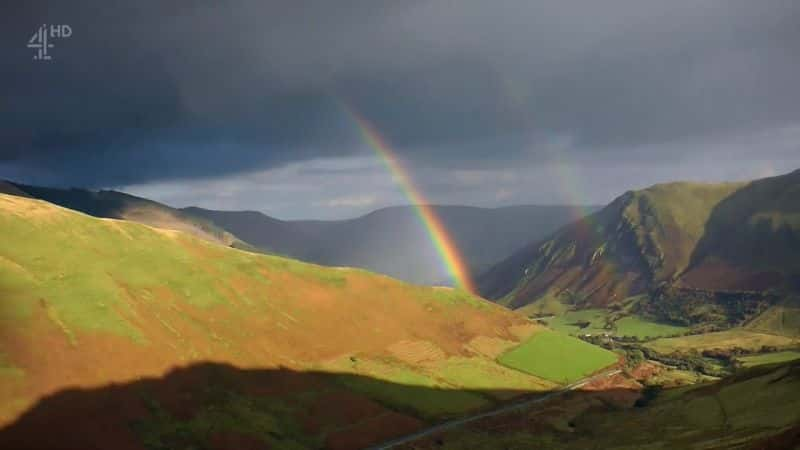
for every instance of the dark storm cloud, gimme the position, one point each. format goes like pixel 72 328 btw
pixel 159 90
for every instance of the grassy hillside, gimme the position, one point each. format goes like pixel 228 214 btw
pixel 118 205
pixel 88 302
pixel 739 237
pixel 641 238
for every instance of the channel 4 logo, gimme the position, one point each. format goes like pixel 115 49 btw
pixel 42 40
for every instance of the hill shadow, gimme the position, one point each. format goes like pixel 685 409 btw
pixel 211 406
pixel 746 244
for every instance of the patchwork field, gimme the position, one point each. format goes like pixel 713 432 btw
pixel 729 339
pixel 768 358
pixel 783 319
pixel 557 357
pixel 637 327
pixel 570 322
pixel 598 321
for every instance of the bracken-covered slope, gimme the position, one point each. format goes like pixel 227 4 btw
pixel 87 302
pixel 733 236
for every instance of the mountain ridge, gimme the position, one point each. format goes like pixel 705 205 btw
pixel 389 240
pixel 684 234
pixel 483 235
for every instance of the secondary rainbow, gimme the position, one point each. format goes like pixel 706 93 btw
pixel 437 233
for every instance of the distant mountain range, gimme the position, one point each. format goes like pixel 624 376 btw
pixel 675 239
pixel 391 240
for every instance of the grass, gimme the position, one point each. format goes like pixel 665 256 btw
pixel 548 304
pixel 557 357
pixel 632 325
pixel 567 323
pixel 720 340
pixel 735 413
pixel 83 271
pixel 638 327
pixel 78 280
pixel 437 403
pixel 480 373
pixel 7 369
pixel 263 419
pixel 396 385
pixel 777 392
pixel 160 298
pixel 768 358
pixel 453 382
pixel 783 319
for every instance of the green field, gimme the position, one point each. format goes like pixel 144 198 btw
pixel 557 357
pixel 567 323
pixel 637 327
pixel 768 358
pixel 783 319
pixel 454 385
pixel 548 304
pixel 721 340
pixel 436 403
pixel 634 326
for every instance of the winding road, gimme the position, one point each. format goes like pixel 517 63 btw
pixel 456 423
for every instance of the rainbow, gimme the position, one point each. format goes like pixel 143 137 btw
pixel 437 233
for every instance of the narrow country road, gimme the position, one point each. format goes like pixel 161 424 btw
pixel 455 423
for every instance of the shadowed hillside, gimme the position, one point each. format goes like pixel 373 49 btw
pixel 220 407
pixel 757 409
pixel 751 239
pixel 12 189
pixel 262 231
pixel 735 236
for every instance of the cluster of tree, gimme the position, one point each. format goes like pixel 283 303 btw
pixel 600 339
pixel 635 354
pixel 649 393
pixel 581 324
pixel 730 356
pixel 691 307
pixel 690 362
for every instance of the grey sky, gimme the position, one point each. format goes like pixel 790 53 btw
pixel 488 103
